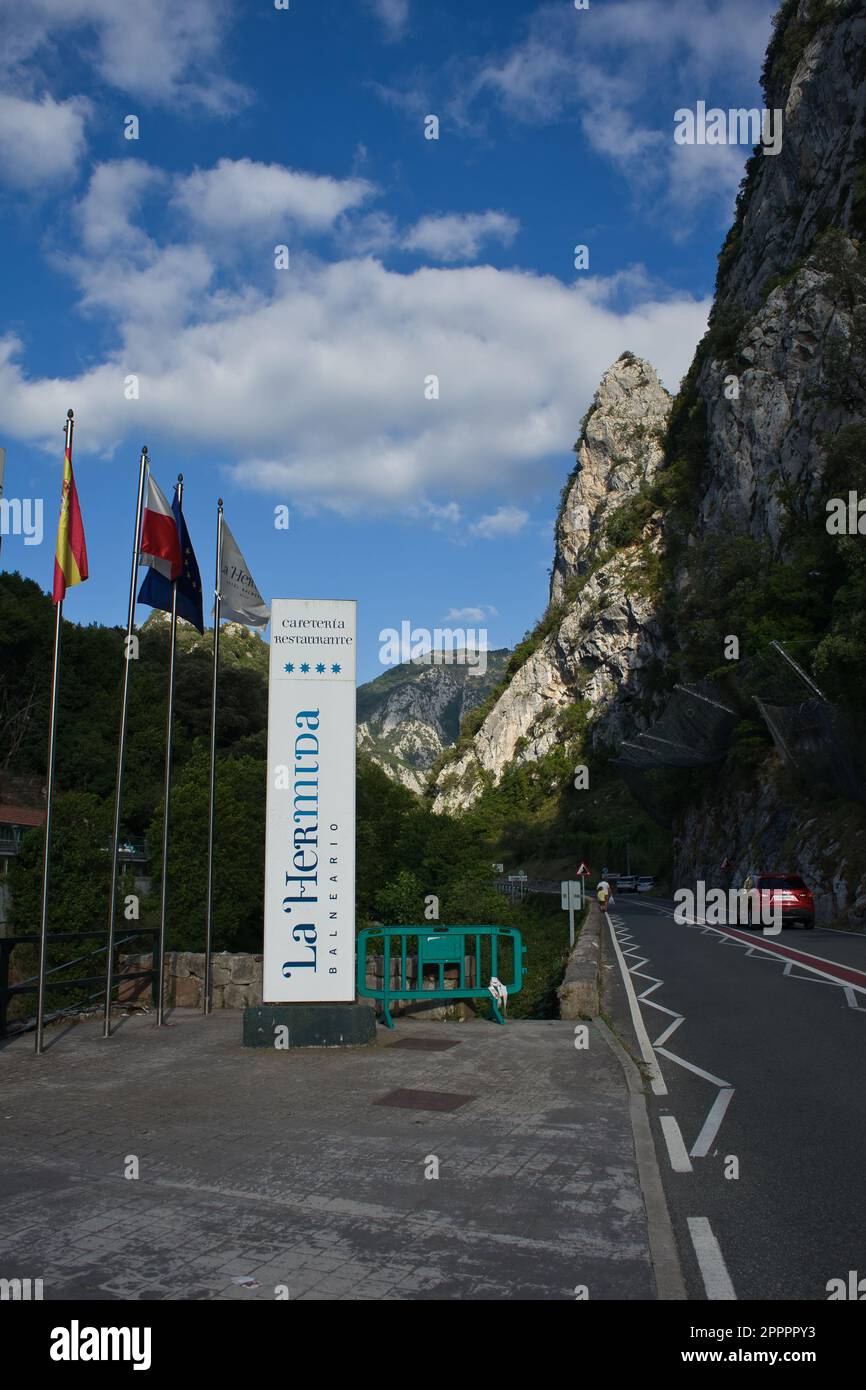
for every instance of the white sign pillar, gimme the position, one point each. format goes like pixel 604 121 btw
pixel 309 928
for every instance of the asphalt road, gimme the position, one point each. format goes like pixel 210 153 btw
pixel 759 1066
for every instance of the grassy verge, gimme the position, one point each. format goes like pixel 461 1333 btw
pixel 544 928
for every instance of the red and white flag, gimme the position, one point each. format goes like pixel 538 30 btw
pixel 160 542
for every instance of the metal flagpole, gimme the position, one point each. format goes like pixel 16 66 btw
pixel 121 752
pixel 52 754
pixel 2 476
pixel 160 962
pixel 208 989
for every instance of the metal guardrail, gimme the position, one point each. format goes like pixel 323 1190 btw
pixel 31 986
pixel 517 889
pixel 438 947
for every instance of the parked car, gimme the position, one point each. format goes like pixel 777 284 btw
pixel 626 884
pixel 787 892
pixel 646 883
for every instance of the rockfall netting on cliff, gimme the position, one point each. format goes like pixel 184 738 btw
pixel 813 736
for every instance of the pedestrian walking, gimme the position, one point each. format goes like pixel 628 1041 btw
pixel 604 895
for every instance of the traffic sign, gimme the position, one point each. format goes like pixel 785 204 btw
pixel 584 869
pixel 571 894
pixel 571 891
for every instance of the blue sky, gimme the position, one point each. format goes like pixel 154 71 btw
pixel 408 258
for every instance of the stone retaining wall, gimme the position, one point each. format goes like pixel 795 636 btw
pixel 237 980
pixel 580 991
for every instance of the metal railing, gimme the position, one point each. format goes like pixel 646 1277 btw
pixel 475 953
pixel 31 985
pixel 517 889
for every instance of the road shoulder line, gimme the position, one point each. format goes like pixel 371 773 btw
pixel 664 1253
pixel 657 1081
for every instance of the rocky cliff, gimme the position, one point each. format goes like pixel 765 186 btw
pixel 411 713
pixel 619 448
pixel 782 369
pixel 777 386
pixel 667 546
pixel 599 638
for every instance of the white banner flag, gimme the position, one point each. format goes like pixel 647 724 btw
pixel 240 600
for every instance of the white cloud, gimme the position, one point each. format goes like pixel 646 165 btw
pixel 440 515
pixel 41 142
pixel 122 271
pixel 311 386
pixel 370 235
pixel 113 197
pixel 394 15
pixel 471 614
pixel 505 521
pixel 161 290
pixel 444 237
pixel 243 196
pixel 162 51
pixel 559 66
pixel 459 236
pixel 600 69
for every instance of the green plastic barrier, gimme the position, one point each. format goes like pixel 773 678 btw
pixel 480 954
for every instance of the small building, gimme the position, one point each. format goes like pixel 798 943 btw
pixel 14 822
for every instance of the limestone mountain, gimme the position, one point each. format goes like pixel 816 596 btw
pixel 599 639
pixel 694 524
pixel 768 429
pixel 408 715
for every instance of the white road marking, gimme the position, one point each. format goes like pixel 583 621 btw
pixel 699 1071
pixel 712 1123
pixel 656 1079
pixel 663 1037
pixel 803 965
pixel 716 1113
pixel 680 1161
pixel 714 1271
pixel 645 996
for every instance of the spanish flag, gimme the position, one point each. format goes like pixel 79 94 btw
pixel 70 558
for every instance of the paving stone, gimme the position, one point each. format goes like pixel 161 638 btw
pixel 282 1166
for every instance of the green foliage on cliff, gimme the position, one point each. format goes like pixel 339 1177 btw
pixel 626 525
pixel 536 817
pixel 813 600
pixel 396 834
pixel 792 34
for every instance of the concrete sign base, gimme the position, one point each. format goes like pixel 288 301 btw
pixel 287 1026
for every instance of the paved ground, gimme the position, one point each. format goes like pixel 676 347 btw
pixel 761 1048
pixel 282 1166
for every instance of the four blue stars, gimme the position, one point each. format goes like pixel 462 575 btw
pixel 305 667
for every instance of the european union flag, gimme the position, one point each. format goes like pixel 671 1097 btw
pixel 156 589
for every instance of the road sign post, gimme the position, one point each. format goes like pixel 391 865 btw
pixel 571 891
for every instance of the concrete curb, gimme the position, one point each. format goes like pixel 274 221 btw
pixel 664 1253
pixel 580 992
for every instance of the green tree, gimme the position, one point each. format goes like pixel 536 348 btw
pixel 239 855
pixel 78 900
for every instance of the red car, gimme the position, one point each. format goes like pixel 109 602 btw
pixel 788 893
